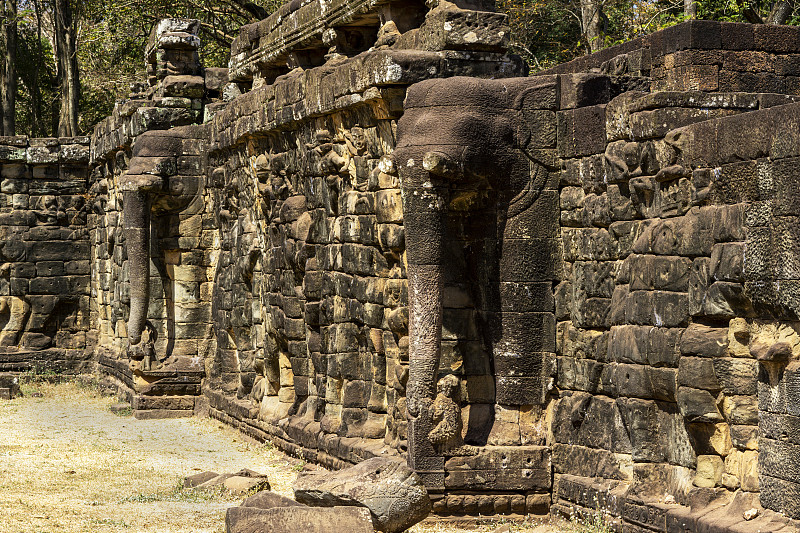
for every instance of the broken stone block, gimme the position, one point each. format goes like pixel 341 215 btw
pixel 242 482
pixel 268 500
pixel 189 482
pixel 9 386
pixel 245 485
pixel 185 86
pixel 394 494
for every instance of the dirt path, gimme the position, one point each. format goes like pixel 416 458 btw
pixel 68 464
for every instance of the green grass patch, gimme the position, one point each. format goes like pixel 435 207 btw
pixel 121 412
pixel 179 493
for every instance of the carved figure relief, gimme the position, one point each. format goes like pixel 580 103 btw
pixel 446 424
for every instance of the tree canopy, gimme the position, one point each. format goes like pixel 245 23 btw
pixel 63 63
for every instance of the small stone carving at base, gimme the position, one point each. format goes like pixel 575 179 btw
pixel 447 425
pixel 144 352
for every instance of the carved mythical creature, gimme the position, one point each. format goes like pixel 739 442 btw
pixel 50 214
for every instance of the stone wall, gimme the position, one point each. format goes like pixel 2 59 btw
pixel 148 151
pixel 374 236
pixel 311 292
pixel 676 288
pixel 759 178
pixel 44 266
pixel 639 390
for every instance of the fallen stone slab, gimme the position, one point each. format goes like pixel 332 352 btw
pixel 393 493
pixel 245 485
pixel 298 519
pixel 269 500
pixel 190 482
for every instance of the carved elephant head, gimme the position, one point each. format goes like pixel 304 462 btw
pixel 155 182
pixel 460 134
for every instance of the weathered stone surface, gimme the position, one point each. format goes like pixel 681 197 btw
pixel 500 468
pixel 394 495
pixel 242 482
pixel 698 405
pixel 192 481
pixel 298 519
pixel 9 386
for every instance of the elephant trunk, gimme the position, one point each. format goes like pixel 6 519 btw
pixel 424 215
pixel 136 212
pixel 424 209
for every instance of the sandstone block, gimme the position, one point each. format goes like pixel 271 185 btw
pixel 709 471
pixel 698 405
pixel 512 468
pixel 183 85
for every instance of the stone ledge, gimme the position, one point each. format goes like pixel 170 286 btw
pixel 359 81
pixel 301 439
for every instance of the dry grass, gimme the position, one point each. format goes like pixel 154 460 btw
pixel 68 464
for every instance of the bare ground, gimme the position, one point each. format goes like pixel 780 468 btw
pixel 68 464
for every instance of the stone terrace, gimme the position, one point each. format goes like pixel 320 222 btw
pixel 373 236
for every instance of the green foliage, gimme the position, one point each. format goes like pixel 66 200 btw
pixel 36 94
pixel 112 35
pixel 30 382
pixel 111 39
pixel 548 32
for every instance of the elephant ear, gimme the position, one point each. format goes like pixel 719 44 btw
pixel 531 106
pixel 527 102
pixel 522 130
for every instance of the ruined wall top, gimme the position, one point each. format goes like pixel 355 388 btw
pixel 306 34
pixel 694 35
pixel 43 151
pixel 172 33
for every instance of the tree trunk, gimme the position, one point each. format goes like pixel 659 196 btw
pixel 591 19
pixel 34 89
pixel 67 65
pixel 2 84
pixel 752 15
pixel 9 87
pixel 690 9
pixel 780 13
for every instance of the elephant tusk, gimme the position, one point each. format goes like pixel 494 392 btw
pixel 441 165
